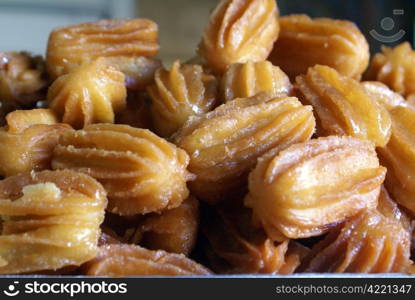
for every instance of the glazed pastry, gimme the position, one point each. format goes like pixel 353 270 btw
pixel 141 172
pixel 368 243
pixel 398 157
pixel 92 93
pixel 343 107
pixel 243 80
pixel 50 219
pixel 309 187
pixel 178 94
pixel 28 140
pixel 239 31
pixel 71 46
pixel 306 42
pixel 395 68
pixel 224 144
pixel 130 260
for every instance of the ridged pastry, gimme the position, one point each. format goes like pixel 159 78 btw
pixel 395 68
pixel 242 80
pixel 141 172
pixel 130 260
pixel 309 187
pixel 92 93
pixel 51 220
pixel 28 140
pixel 398 157
pixel 368 243
pixel 224 144
pixel 343 107
pixel 305 42
pixel 239 31
pixel 178 94
pixel 383 94
pixel 71 46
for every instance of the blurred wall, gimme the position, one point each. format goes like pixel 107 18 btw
pixel 181 24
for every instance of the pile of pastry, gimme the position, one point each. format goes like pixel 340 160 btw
pixel 280 148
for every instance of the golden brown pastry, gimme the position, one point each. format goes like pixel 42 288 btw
pixel 51 220
pixel 304 42
pixel 368 243
pixel 243 248
pixel 307 188
pixel 178 94
pixel 399 155
pixel 137 112
pixel 138 70
pixel 343 107
pixel 174 230
pixel 239 31
pixel 390 209
pixel 395 68
pixel 22 78
pixel 72 46
pixel 130 260
pixel 382 94
pixel 243 80
pixel 141 172
pixel 28 140
pixel 92 93
pixel 224 144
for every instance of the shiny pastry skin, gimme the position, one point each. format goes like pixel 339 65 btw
pixel 309 187
pixel 27 141
pixel 142 172
pixel 342 106
pixel 242 80
pixel 130 260
pixel 305 42
pixel 71 46
pixel 224 144
pixel 178 94
pixel 239 31
pixel 51 220
pixel 394 67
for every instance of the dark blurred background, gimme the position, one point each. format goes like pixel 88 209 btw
pixel 25 24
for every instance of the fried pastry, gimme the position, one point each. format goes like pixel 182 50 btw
pixel 28 140
pixel 368 243
pixel 304 42
pixel 224 144
pixel 141 172
pixel 122 39
pixel 382 94
pixel 307 188
pixel 51 220
pixel 390 209
pixel 243 80
pixel 395 68
pixel 92 93
pixel 22 78
pixel 174 230
pixel 243 248
pixel 343 107
pixel 239 31
pixel 130 260
pixel 178 94
pixel 399 156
